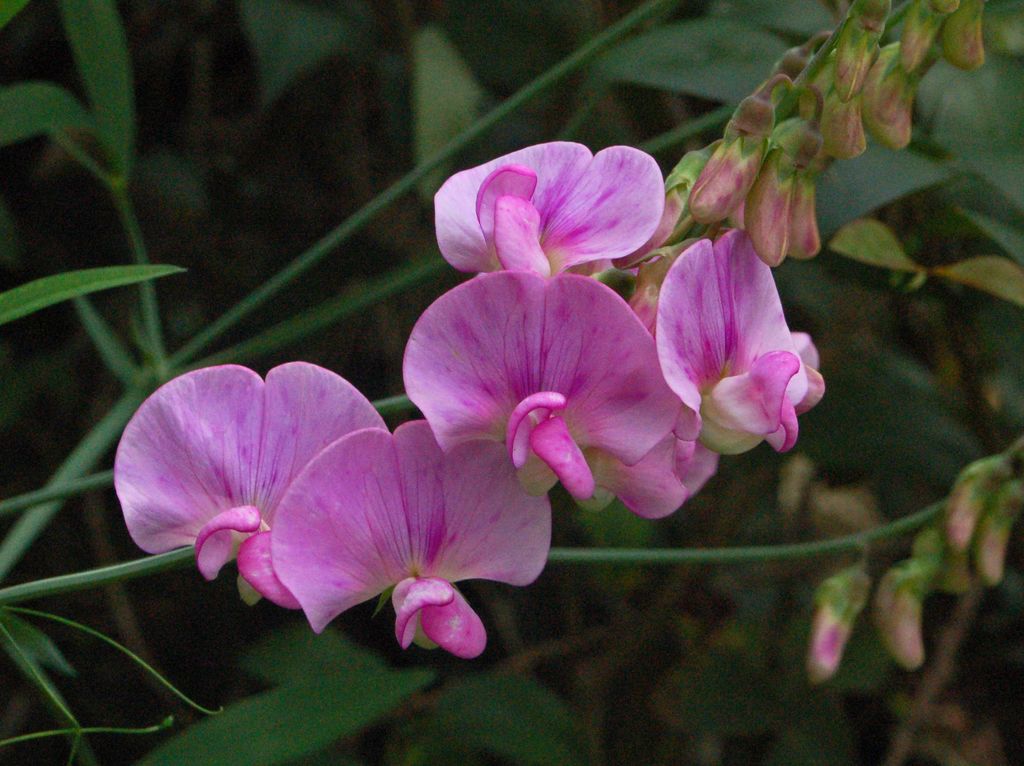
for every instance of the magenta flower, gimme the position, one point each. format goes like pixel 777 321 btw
pixel 562 373
pixel 207 457
pixel 374 511
pixel 726 350
pixel 549 207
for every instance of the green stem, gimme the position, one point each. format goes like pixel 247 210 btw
pixel 688 129
pixel 408 182
pixel 183 557
pixel 147 290
pixel 164 724
pixel 82 459
pixel 79 154
pixel 56 492
pixel 113 354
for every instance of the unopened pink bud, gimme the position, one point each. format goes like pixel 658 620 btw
pixel 970 494
pixel 962 42
pixel 857 45
pixel 888 100
pixel 919 31
pixel 649 279
pixel 994 531
pixel 839 599
pixel 767 208
pixel 726 178
pixel 804 237
pixel 898 618
pixel 842 127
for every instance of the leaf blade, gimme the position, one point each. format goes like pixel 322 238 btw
pixel 872 242
pixel 993 274
pixel 30 109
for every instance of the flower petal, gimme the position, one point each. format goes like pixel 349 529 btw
pixel 554 445
pixel 410 596
pixel 455 627
pixel 189 453
pixel 256 566
pixel 513 181
pixel 520 422
pixel 517 237
pixel 608 211
pixel 649 488
pixel 459 235
pixel 695 464
pixel 215 543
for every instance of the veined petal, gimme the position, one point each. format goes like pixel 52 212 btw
pixel 215 543
pixel 517 236
pixel 455 627
pixel 553 444
pixel 256 566
pixel 649 488
pixel 410 596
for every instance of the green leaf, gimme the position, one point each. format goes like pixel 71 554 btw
pixel 10 242
pixel 1007 236
pixel 292 37
pixel 9 9
pixel 848 190
pixel 47 291
pixel 30 109
pixel 511 717
pixel 37 645
pixel 717 59
pixel 446 99
pixel 100 48
pixel 992 273
pixel 331 690
pixel 873 243
pixel 801 17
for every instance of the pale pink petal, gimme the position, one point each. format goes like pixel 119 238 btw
pixel 695 464
pixel 421 468
pixel 215 543
pixel 513 181
pixel 485 346
pixel 517 237
pixel 455 627
pixel 493 530
pixel 806 350
pixel 307 408
pixel 649 488
pixel 256 566
pixel 815 390
pixel 553 444
pixel 607 212
pixel 340 534
pixel 410 596
pixel 189 453
pixel 459 235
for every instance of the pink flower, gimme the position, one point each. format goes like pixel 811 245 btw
pixel 375 510
pixel 549 207
pixel 726 350
pixel 207 458
pixel 559 371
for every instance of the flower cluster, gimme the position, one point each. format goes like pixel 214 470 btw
pixel 531 373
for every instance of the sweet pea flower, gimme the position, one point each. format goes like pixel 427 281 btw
pixel 560 372
pixel 206 459
pixel 726 350
pixel 374 511
pixel 549 207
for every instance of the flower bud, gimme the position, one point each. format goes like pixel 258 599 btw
pixel 804 238
pixel 857 45
pixel 767 208
pixel 842 127
pixel 838 601
pixel 971 492
pixel 889 99
pixel 919 31
pixel 897 609
pixel 687 170
pixel 649 279
pixel 962 43
pixel 994 531
pixel 944 6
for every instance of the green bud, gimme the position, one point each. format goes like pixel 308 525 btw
pixel 969 497
pixel 766 212
pixel 897 611
pixel 889 99
pixel 842 127
pixel 649 279
pixel 838 601
pixel 800 139
pixel 858 44
pixel 962 42
pixel 804 237
pixel 919 31
pixel 726 178
pixel 944 6
pixel 686 171
pixel 994 531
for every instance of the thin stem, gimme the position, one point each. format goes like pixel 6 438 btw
pixel 394 405
pixel 82 459
pixel 183 557
pixel 111 351
pixel 688 129
pixel 147 290
pixel 56 492
pixel 29 666
pixel 82 157
pixel 408 182
pixel 164 724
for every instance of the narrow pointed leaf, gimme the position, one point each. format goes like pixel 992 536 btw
pixel 37 645
pixel 98 41
pixel 47 291
pixel 31 109
pixel 9 9
pixel 873 243
pixel 992 273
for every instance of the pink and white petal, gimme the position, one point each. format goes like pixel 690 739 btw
pixel 515 181
pixel 307 408
pixel 695 464
pixel 649 488
pixel 552 443
pixel 459 235
pixel 190 452
pixel 340 532
pixel 815 390
pixel 783 439
pixel 753 402
pixel 517 237
pixel 215 543
pixel 804 347
pixel 607 212
pixel 493 529
pixel 455 627
pixel 256 566
pixel 412 595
